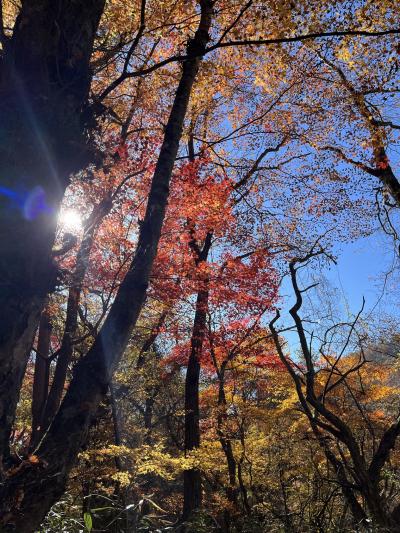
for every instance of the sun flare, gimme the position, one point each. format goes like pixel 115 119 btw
pixel 70 221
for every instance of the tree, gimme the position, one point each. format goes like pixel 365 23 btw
pixel 93 373
pixel 319 386
pixel 46 81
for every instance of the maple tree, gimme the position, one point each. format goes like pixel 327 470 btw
pixel 231 286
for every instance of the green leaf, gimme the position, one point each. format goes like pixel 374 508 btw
pixel 87 518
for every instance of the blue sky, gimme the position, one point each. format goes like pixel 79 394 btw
pixel 361 271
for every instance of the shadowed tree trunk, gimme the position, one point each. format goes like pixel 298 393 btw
pixel 150 391
pixel 222 419
pixel 192 477
pixel 41 376
pixel 226 444
pixel 223 438
pixel 28 493
pixel 44 89
pixel 71 322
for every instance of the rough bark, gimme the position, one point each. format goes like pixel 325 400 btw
pixel 44 89
pixel 29 493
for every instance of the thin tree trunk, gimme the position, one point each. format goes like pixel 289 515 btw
pixel 243 489
pixel 192 495
pixel 192 477
pixel 27 495
pixel 117 425
pixel 224 440
pixel 151 339
pixel 71 323
pixel 150 391
pixel 226 444
pixel 366 478
pixel 41 376
pixel 126 494
pixel 148 417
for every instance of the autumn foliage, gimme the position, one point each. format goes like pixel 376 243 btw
pixel 176 181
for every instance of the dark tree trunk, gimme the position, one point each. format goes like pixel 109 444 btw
pixel 192 477
pixel 27 495
pixel 148 417
pixel 41 376
pixel 226 444
pixel 192 495
pixel 44 89
pixel 117 425
pixel 152 390
pixel 224 440
pixel 364 479
pixel 71 322
pixel 151 339
pixel 243 489
pixel 126 495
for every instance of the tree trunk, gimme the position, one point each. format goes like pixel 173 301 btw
pixel 152 390
pixel 29 493
pixel 224 440
pixel 226 445
pixel 41 377
pixel 44 88
pixel 117 425
pixel 71 322
pixel 148 417
pixel 192 477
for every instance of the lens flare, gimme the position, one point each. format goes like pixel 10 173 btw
pixel 31 203
pixel 70 221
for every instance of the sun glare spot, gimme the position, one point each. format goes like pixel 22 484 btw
pixel 70 221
